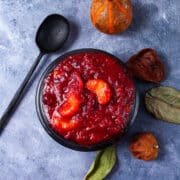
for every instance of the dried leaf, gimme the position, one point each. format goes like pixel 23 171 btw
pixel 164 103
pixel 102 165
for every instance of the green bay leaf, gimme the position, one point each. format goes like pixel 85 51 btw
pixel 102 165
pixel 164 103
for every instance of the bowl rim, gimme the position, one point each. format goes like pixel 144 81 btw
pixel 44 121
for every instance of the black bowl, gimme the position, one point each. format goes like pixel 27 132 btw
pixel 54 134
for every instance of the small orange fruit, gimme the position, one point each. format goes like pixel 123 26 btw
pixel 111 16
pixel 144 146
pixel 101 89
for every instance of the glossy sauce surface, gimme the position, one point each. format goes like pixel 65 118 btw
pixel 74 111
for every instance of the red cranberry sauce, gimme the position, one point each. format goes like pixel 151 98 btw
pixel 72 105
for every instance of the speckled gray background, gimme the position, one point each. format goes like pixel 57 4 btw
pixel 26 151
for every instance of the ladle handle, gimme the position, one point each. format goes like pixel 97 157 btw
pixel 18 95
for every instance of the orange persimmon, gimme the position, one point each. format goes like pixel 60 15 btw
pixel 111 16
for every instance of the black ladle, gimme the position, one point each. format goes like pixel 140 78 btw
pixel 51 35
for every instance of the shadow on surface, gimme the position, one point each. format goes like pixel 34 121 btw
pixel 142 14
pixel 166 64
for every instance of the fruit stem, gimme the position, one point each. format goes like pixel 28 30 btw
pixel 156 146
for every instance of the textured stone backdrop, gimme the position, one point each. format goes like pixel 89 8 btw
pixel 26 151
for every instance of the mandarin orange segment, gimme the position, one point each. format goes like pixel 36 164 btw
pixel 64 124
pixel 101 89
pixel 71 106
